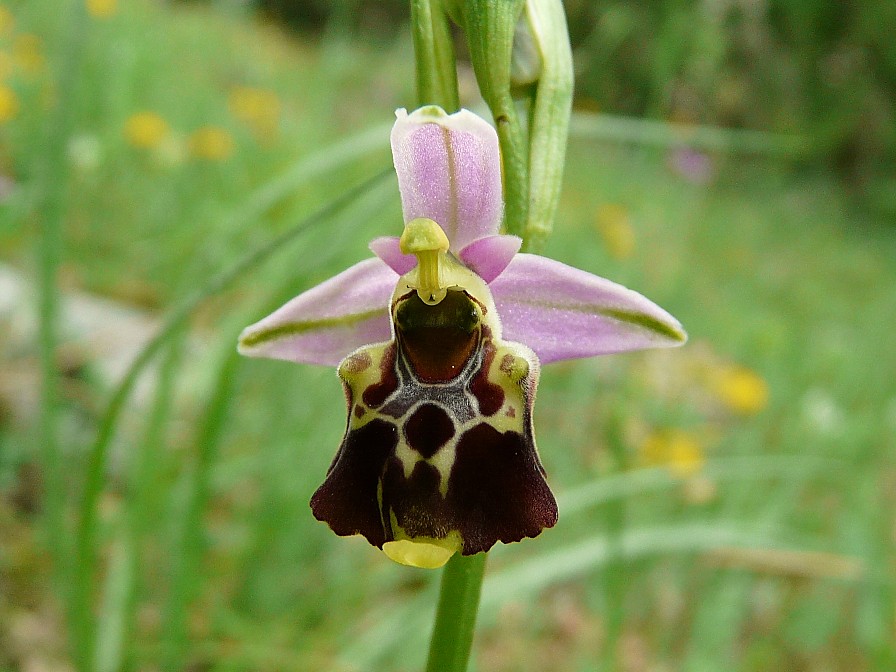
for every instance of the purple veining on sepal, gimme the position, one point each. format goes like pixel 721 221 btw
pixel 449 170
pixel 489 256
pixel 325 323
pixel 562 312
pixel 387 248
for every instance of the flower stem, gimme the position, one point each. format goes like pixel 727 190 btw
pixel 489 27
pixel 452 635
pixel 434 51
pixel 52 172
pixel 549 118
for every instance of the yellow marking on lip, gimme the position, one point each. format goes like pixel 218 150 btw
pixel 424 552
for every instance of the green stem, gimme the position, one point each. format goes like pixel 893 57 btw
pixel 49 253
pixel 452 635
pixel 434 54
pixel 549 119
pixel 53 180
pixel 118 616
pixel 189 541
pixel 490 26
pixel 515 157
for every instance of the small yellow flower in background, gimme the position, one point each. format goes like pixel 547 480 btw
pixel 102 9
pixel 9 104
pixel 612 223
pixel 146 130
pixel 28 54
pixel 741 390
pixel 6 20
pixel 212 143
pixel 680 451
pixel 259 109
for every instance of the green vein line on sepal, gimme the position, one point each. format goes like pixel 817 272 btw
pixel 628 316
pixel 295 328
pixel 645 322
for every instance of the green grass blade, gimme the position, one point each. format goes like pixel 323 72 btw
pixel 531 576
pixel 653 479
pixel 547 569
pixel 647 132
pixel 118 611
pixel 304 171
pixel 85 543
pixel 114 609
pixel 188 545
pixel 51 203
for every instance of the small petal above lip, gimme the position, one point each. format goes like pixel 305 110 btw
pixel 489 256
pixel 388 249
pixel 327 322
pixel 449 170
pixel 562 312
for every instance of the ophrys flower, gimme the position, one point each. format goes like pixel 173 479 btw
pixel 438 341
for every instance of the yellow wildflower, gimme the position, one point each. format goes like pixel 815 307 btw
pixel 212 143
pixel 259 109
pixel 28 53
pixel 612 223
pixel 680 451
pixel 102 9
pixel 9 104
pixel 146 130
pixel 741 390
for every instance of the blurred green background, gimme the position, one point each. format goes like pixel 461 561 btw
pixel 724 506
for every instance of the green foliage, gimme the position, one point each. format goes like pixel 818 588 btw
pixel 826 70
pixel 822 69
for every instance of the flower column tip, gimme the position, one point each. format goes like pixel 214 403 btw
pixel 425 239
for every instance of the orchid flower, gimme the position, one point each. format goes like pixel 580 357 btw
pixel 438 340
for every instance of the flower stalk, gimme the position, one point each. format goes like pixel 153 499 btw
pixel 532 176
pixel 434 55
pixel 523 62
pixel 461 587
pixel 544 22
pixel 452 635
pixel 490 27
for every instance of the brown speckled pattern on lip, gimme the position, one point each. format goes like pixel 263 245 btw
pixel 422 459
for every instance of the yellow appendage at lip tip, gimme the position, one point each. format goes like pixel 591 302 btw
pixel 430 554
pixel 425 239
